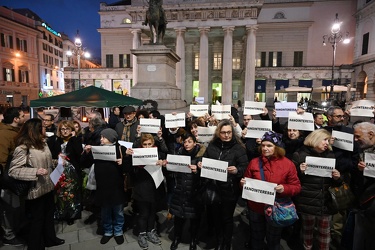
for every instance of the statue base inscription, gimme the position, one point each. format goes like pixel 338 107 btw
pixel 157 76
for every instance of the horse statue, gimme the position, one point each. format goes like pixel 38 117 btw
pixel 156 20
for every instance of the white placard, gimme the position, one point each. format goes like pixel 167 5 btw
pixel 257 128
pixel 126 144
pixel 303 121
pixel 214 169
pixel 283 108
pixel 221 111
pixel 343 140
pixel 199 99
pixel 319 166
pixel 259 191
pixel 205 134
pixel 178 163
pixel 174 121
pixel 362 108
pixel 145 156
pixel 149 125
pixel 199 110
pixel 156 174
pixel 370 165
pixel 57 172
pixel 105 153
pixel 253 108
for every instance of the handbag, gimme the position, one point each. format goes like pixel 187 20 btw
pixel 18 187
pixel 91 181
pixel 283 213
pixel 208 193
pixel 342 197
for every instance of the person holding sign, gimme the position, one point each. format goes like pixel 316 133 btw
pixel 364 134
pixel 226 146
pixel 110 195
pixel 183 204
pixel 312 202
pixel 146 195
pixel 277 169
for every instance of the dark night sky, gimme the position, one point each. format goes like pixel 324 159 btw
pixel 67 16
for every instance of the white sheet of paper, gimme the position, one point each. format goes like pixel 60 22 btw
pixel 257 128
pixel 174 121
pixel 303 121
pixel 253 108
pixel 199 110
pixel 149 125
pixel 319 166
pixel 259 191
pixel 221 111
pixel 145 156
pixel 214 169
pixel 57 172
pixel 105 153
pixel 205 134
pixel 343 140
pixel 126 144
pixel 156 174
pixel 362 108
pixel 283 108
pixel 179 163
pixel 199 99
pixel 369 170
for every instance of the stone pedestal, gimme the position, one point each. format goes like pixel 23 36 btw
pixel 157 76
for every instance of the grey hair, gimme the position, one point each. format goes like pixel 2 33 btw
pixel 332 109
pixel 365 127
pixel 97 114
pixel 96 122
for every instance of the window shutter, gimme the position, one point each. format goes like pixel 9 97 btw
pixel 4 74
pixel 121 60
pixel 2 40
pixel 279 58
pixel 25 45
pixel 128 60
pixel 11 42
pixel 13 76
pixel 27 76
pixel 19 75
pixel 18 47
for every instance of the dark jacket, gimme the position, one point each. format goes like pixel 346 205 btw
pixel 314 197
pixel 184 204
pixel 235 154
pixel 109 178
pixel 133 130
pixel 113 120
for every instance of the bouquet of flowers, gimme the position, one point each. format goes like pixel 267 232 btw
pixel 67 195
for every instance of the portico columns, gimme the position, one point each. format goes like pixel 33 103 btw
pixel 180 66
pixel 136 43
pixel 249 91
pixel 227 65
pixel 203 63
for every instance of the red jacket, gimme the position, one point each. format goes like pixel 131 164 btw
pixel 276 170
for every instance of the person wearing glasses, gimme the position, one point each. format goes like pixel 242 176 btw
pixel 346 162
pixel 226 146
pixel 48 123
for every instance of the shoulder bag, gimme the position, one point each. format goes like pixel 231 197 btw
pixel 342 197
pixel 283 213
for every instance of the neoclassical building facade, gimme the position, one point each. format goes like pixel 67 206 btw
pixel 237 50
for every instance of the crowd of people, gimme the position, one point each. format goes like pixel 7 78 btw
pixel 279 157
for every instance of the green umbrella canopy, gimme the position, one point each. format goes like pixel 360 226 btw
pixel 87 97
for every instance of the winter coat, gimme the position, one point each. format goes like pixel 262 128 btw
pixel 235 154
pixel 7 146
pixel 109 178
pixel 184 204
pixel 276 170
pixel 37 159
pixel 314 197
pixel 133 129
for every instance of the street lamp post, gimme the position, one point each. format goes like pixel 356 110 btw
pixel 334 38
pixel 78 51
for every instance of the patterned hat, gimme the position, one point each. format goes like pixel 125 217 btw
pixel 273 137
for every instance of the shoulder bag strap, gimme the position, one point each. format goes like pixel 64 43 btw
pixel 261 169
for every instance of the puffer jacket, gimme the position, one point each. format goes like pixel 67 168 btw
pixel 314 197
pixel 235 154
pixel 37 159
pixel 184 204
pixel 7 146
pixel 276 170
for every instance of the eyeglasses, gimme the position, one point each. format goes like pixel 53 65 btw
pixel 339 116
pixel 65 129
pixel 225 132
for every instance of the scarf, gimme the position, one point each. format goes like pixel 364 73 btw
pixel 126 132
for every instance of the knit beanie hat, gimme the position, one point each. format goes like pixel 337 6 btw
pixel 110 134
pixel 274 138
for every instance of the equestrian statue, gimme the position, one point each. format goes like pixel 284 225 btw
pixel 156 20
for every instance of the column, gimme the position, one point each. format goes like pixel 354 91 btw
pixel 189 65
pixel 203 63
pixel 180 66
pixel 249 91
pixel 227 65
pixel 136 43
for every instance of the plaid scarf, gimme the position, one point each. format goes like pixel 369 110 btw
pixel 126 132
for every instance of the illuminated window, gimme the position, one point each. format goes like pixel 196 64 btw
pixel 196 61
pixel 24 76
pixel 126 20
pixel 6 41
pixel 217 61
pixel 236 63
pixel 124 60
pixel 21 44
pixel 260 60
pixel 274 59
pixel 8 74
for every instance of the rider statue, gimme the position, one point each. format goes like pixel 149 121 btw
pixel 156 20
